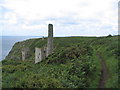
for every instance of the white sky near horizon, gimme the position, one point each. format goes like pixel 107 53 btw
pixel 69 17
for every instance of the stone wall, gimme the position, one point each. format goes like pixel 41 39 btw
pixel 25 53
pixel 40 54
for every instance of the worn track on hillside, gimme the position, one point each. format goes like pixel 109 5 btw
pixel 104 71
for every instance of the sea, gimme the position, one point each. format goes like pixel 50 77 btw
pixel 7 42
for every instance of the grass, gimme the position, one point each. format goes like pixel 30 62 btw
pixel 96 76
pixel 74 64
pixel 112 64
pixel 109 51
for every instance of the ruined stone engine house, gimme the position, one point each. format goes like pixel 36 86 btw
pixel 41 53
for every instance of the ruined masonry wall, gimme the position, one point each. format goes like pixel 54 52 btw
pixel 40 54
pixel 25 53
pixel 50 40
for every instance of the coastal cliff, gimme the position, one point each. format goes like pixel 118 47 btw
pixel 73 64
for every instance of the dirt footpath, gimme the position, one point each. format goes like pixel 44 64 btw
pixel 104 71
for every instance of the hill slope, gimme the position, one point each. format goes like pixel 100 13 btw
pixel 74 64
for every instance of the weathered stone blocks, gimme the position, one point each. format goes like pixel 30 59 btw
pixel 25 53
pixel 50 40
pixel 40 54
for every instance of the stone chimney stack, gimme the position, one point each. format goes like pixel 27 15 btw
pixel 50 40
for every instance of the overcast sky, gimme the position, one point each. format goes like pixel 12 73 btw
pixel 69 17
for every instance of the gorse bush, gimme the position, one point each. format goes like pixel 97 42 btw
pixel 67 54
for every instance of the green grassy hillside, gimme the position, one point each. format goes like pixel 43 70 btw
pixel 74 64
